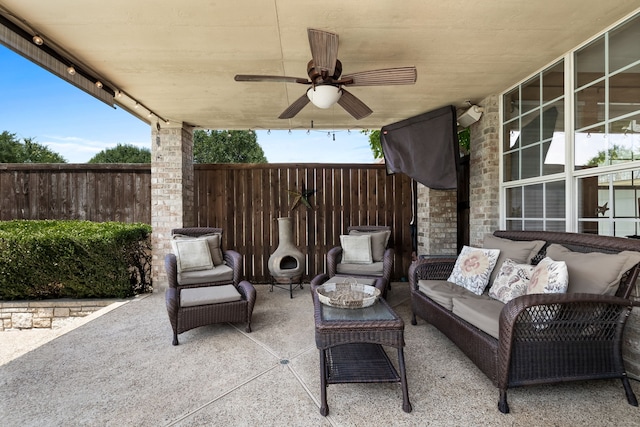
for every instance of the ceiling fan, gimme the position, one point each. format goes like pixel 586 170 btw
pixel 327 85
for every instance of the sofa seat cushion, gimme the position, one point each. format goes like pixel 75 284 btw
pixel 373 269
pixel 443 292
pixel 209 295
pixel 221 273
pixel 483 313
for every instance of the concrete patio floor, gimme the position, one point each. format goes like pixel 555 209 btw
pixel 120 369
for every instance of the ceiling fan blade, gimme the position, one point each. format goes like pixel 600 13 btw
pixel 295 108
pixel 258 78
pixel 383 77
pixel 353 105
pixel 324 49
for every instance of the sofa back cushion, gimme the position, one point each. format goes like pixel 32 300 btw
pixel 594 272
pixel 521 252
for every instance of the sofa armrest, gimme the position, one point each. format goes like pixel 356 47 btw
pixel 570 317
pixel 431 268
pixel 334 256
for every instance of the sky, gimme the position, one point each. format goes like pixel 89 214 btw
pixel 36 104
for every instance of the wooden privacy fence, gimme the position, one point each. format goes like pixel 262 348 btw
pixel 245 200
pixel 107 192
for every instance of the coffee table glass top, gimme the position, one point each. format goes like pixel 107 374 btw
pixel 378 311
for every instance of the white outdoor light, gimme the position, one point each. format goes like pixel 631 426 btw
pixel 324 96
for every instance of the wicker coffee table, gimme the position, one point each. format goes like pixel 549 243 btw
pixel 350 343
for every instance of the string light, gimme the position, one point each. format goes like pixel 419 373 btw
pixel 38 40
pixel 71 70
pixel 99 84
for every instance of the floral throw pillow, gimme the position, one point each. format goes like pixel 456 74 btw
pixel 511 281
pixel 473 268
pixel 548 277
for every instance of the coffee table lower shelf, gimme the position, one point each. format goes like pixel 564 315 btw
pixel 359 363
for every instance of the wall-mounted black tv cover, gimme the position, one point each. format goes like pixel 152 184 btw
pixel 424 147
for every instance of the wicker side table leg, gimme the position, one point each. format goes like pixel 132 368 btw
pixel 406 405
pixel 324 408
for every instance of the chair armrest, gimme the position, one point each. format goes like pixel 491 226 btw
pixel 574 317
pixel 234 261
pixel 248 293
pixel 431 268
pixel 171 268
pixel 334 256
pixel 387 264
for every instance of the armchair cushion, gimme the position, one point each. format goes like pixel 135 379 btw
pixel 221 273
pixel 356 249
pixel 379 240
pixel 373 269
pixel 192 255
pixel 209 295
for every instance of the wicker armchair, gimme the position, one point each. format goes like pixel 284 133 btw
pixel 192 303
pixel 336 266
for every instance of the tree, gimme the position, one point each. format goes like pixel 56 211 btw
pixel 374 142
pixel 28 151
pixel 123 154
pixel 464 140
pixel 227 146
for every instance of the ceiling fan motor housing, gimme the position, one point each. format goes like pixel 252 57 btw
pixel 315 75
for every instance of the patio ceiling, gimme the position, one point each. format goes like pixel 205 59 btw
pixel 179 58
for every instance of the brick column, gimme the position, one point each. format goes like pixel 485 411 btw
pixel 437 218
pixel 172 195
pixel 485 167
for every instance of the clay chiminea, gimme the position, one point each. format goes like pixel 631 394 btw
pixel 287 263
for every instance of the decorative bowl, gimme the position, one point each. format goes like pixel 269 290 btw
pixel 347 294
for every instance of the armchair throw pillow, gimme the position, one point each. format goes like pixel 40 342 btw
pixel 356 249
pixel 379 241
pixel 191 254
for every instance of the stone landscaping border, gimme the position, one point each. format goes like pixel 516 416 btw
pixel 46 314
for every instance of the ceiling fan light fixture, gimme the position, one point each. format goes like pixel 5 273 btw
pixel 324 96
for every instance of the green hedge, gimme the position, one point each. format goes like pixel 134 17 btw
pixel 73 259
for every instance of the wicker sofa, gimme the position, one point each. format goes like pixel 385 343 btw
pixel 581 338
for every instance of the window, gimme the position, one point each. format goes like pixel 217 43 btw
pixel 604 133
